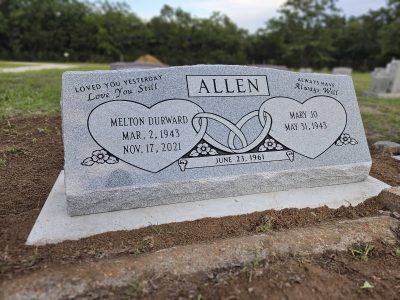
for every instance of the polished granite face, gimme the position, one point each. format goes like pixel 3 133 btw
pixel 136 138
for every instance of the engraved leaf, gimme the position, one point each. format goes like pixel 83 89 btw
pixel 353 142
pixel 194 153
pixel 112 160
pixel 87 162
pixel 262 148
pixel 213 152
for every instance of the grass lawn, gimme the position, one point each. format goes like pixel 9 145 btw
pixel 34 91
pixel 39 92
pixel 9 64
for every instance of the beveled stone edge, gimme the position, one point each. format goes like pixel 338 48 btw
pixel 197 190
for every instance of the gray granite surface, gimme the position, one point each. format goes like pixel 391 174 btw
pixel 137 138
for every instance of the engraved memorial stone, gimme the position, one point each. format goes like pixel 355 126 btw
pixel 135 65
pixel 138 138
pixel 305 70
pixel 386 81
pixel 342 71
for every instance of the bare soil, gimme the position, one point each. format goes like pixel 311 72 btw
pixel 31 157
pixel 332 275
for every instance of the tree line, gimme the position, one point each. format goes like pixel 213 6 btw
pixel 306 33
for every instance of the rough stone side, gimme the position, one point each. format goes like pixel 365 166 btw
pixel 131 197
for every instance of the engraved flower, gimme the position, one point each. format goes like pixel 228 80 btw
pixel 345 139
pixel 203 149
pixel 270 144
pixel 100 156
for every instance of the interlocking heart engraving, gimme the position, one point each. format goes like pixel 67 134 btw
pixel 127 129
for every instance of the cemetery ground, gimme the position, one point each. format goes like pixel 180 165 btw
pixel 31 157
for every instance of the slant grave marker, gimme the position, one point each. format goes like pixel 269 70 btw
pixel 138 138
pixel 342 71
pixel 386 81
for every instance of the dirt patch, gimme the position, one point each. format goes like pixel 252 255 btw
pixel 31 157
pixel 385 167
pixel 332 275
pixel 327 276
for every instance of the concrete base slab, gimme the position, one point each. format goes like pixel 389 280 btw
pixel 54 225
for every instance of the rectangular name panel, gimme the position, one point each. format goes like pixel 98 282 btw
pixel 227 86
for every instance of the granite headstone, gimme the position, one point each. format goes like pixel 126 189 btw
pixel 135 65
pixel 305 70
pixel 137 138
pixel 342 71
pixel 386 81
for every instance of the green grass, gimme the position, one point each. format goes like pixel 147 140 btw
pixel 10 64
pixel 39 92
pixel 34 92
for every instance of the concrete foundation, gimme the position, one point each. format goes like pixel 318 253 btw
pixel 54 225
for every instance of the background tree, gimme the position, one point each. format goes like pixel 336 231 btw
pixel 303 32
pixel 306 33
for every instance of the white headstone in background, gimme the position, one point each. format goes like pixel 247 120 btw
pixel 277 67
pixel 138 138
pixel 393 70
pixel 342 71
pixel 386 81
pixel 305 70
pixel 135 65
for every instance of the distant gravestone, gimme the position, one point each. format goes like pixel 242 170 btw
pixel 388 146
pixel 138 138
pixel 386 81
pixel 305 70
pixel 276 67
pixel 135 65
pixel 342 71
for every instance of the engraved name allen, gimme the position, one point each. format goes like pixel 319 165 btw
pixel 227 85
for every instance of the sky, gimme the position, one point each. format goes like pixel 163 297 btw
pixel 248 14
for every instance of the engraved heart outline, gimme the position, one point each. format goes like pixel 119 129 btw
pixel 200 133
pixel 302 103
